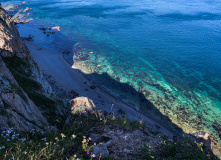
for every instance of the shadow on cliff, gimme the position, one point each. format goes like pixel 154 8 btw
pixel 131 97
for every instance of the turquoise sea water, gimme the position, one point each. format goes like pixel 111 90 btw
pixel 168 50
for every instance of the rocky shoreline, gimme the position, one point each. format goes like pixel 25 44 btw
pixel 80 87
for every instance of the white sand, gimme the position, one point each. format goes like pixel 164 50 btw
pixel 70 78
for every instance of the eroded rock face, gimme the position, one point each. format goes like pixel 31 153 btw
pixel 10 41
pixel 16 109
pixel 11 44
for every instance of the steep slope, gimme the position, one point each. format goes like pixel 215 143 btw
pixel 17 110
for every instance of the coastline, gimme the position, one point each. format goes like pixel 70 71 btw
pixel 71 78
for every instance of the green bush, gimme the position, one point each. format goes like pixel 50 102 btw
pixel 182 149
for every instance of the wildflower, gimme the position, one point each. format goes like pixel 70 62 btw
pixel 77 159
pixel 25 152
pixel 84 141
pixel 93 155
pixel 8 140
pixel 94 144
pixel 84 137
pixel 3 146
pixel 3 128
pixel 75 156
pixel 89 138
pixel 74 136
pixel 88 152
pixel 56 138
pixel 62 135
pixel 46 143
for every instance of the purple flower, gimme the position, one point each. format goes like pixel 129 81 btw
pixel 88 152
pixel 3 128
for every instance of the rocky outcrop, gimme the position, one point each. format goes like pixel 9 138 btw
pixel 80 105
pixel 11 43
pixel 16 109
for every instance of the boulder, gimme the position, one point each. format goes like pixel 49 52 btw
pixel 82 105
pixel 204 138
pixel 100 150
pixel 79 106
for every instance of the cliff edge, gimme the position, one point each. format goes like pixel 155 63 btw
pixel 17 110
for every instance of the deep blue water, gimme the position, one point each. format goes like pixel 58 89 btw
pixel 171 47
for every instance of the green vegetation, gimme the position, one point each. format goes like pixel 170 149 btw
pixel 73 143
pixel 22 70
pixel 182 149
pixel 126 124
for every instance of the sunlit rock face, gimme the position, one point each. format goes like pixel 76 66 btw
pixel 17 110
pixel 10 41
pixel 11 44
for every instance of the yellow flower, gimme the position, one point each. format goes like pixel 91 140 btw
pixel 84 137
pixel 62 135
pixel 84 141
pixel 56 138
pixel 95 144
pixel 46 143
pixel 74 136
pixel 75 156
pixel 89 138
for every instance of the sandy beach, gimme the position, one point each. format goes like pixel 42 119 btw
pixel 69 78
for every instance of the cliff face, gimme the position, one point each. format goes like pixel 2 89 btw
pixel 10 41
pixel 17 110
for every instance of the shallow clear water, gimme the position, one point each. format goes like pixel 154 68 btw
pixel 168 50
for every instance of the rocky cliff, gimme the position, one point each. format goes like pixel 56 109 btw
pixel 17 71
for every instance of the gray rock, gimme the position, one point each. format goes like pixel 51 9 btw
pixel 204 138
pixel 113 141
pixel 125 150
pixel 100 150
